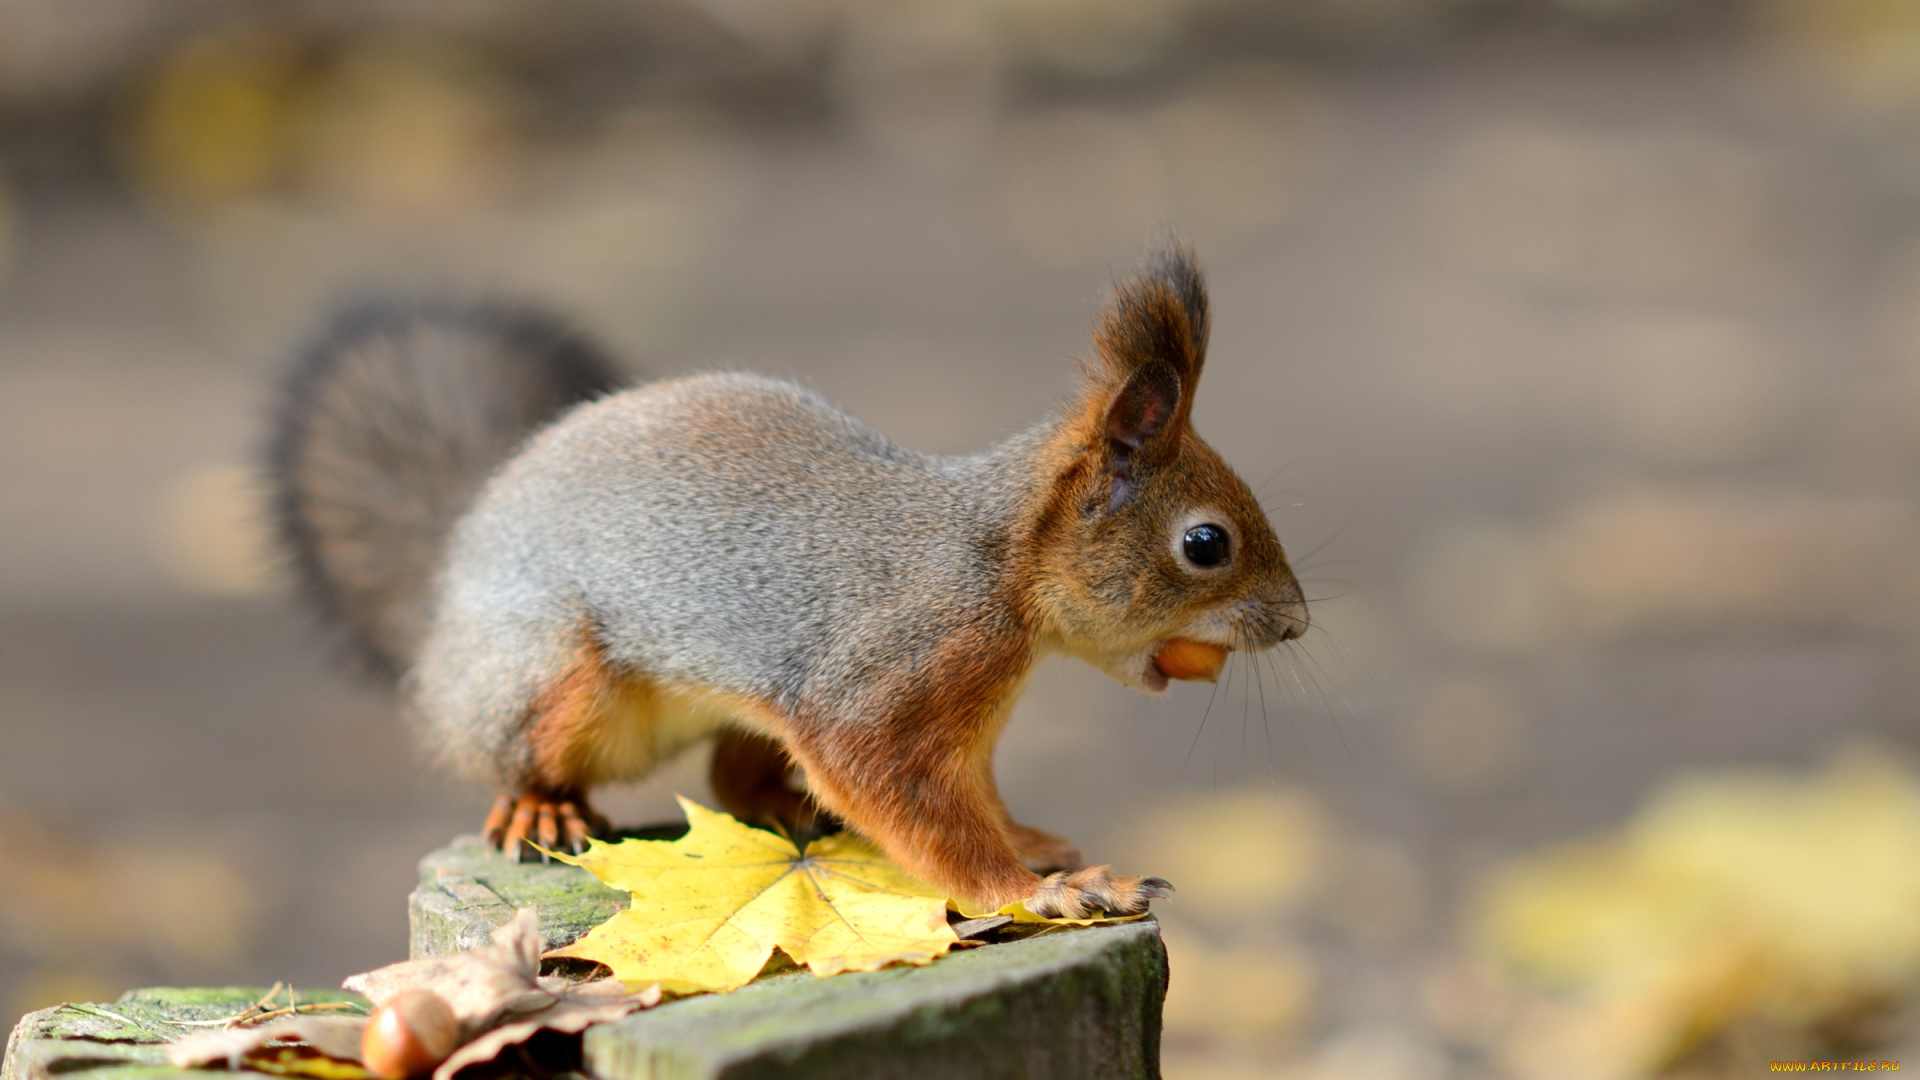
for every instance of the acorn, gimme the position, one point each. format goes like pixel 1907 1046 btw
pixel 409 1035
pixel 1183 659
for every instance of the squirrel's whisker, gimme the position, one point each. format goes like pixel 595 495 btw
pixel 1293 715
pixel 1211 694
pixel 1266 730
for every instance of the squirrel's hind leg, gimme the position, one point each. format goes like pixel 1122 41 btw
pixel 591 725
pixel 755 780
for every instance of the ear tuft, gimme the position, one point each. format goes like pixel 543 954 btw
pixel 1159 314
pixel 1172 264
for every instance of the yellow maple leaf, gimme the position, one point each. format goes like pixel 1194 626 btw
pixel 709 908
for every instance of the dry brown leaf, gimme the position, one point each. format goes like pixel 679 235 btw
pixel 480 985
pixel 498 995
pixel 579 1009
pixel 337 1037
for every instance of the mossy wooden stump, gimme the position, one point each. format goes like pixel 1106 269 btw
pixel 1067 1005
pixel 126 1040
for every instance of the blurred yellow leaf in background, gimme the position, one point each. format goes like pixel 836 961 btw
pixel 214 123
pixel 1731 897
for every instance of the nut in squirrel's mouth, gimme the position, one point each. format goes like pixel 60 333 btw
pixel 1183 658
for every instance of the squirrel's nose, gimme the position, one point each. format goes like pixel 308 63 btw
pixel 1274 618
pixel 1292 615
pixel 1290 610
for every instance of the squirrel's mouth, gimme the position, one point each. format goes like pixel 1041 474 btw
pixel 1183 658
pixel 1150 668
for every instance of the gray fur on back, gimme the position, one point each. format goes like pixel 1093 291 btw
pixel 730 531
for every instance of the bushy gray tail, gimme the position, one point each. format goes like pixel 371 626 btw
pixel 391 420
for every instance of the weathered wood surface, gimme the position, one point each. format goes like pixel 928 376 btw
pixel 125 1040
pixel 466 890
pixel 1066 1005
pixel 1061 1005
pixel 1069 1005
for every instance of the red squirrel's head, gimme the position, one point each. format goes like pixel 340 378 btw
pixel 1151 556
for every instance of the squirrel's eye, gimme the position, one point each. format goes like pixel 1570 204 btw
pixel 1205 545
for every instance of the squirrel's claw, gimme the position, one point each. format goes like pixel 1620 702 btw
pixel 544 822
pixel 520 828
pixel 576 828
pixel 495 830
pixel 547 829
pixel 1090 892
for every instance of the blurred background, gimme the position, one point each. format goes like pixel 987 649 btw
pixel 1573 344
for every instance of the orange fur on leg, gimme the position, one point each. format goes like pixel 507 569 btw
pixel 909 763
pixel 570 719
pixel 567 733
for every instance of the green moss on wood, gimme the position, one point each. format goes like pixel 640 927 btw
pixel 125 1039
pixel 466 889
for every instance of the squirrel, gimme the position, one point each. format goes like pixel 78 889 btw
pixel 572 581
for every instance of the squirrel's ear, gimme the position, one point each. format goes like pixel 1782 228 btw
pixel 1151 342
pixel 1141 412
pixel 1158 316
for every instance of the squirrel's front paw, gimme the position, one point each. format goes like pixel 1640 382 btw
pixel 1087 893
pixel 542 818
